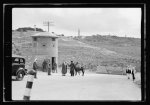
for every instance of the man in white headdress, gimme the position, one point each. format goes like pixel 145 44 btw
pixel 35 67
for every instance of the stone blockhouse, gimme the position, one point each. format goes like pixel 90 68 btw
pixel 45 46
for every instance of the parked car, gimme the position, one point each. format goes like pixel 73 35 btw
pixel 18 67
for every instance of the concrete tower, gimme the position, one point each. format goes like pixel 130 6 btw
pixel 45 46
pixel 78 32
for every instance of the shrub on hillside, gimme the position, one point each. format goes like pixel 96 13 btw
pixel 24 29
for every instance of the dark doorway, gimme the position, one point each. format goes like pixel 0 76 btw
pixel 53 60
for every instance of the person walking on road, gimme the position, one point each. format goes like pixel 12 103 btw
pixel 35 67
pixel 64 69
pixel 133 73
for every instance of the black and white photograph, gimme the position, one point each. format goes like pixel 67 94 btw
pixel 76 54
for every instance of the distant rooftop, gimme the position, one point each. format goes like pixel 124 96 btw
pixel 45 34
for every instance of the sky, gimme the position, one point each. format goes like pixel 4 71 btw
pixel 91 21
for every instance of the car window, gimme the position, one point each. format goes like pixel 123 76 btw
pixel 16 60
pixel 21 60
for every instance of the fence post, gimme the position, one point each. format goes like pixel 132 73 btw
pixel 29 84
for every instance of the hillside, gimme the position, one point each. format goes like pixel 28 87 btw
pixel 123 45
pixel 102 51
pixel 90 51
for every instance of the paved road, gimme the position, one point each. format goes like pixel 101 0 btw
pixel 88 87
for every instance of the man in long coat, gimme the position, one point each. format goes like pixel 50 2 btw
pixel 44 65
pixel 35 67
pixel 64 69
pixel 55 67
pixel 49 67
pixel 72 68
pixel 133 73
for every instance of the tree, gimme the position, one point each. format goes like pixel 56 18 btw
pixel 24 29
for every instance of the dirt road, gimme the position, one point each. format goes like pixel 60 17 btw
pixel 89 87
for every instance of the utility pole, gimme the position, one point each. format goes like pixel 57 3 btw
pixel 35 28
pixel 48 23
pixel 78 32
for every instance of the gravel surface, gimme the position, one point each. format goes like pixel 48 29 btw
pixel 88 87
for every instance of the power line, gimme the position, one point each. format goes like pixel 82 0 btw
pixel 35 28
pixel 48 23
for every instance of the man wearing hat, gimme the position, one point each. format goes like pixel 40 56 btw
pixel 72 67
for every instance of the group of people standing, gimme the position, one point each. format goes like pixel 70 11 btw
pixel 64 68
pixel 46 66
pixel 130 72
pixel 72 67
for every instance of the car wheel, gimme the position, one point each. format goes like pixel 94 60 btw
pixel 20 75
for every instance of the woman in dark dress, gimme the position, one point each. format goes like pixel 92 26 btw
pixel 64 69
